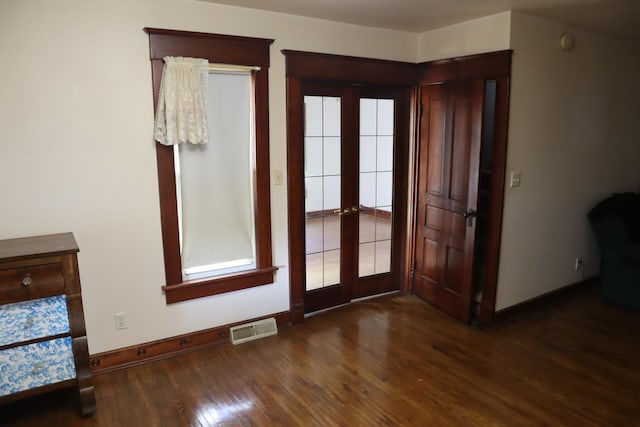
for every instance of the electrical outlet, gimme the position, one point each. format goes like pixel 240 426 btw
pixel 121 320
pixel 579 265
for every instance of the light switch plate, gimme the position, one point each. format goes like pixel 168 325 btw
pixel 121 320
pixel 515 179
pixel 277 177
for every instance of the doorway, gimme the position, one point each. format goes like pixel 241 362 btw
pixel 461 156
pixel 361 249
pixel 330 261
pixel 350 185
pixel 349 192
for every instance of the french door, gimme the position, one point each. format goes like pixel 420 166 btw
pixel 352 187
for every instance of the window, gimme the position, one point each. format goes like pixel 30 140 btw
pixel 213 182
pixel 214 198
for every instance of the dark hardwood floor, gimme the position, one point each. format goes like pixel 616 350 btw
pixel 393 360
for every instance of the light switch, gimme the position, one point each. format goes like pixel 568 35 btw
pixel 515 179
pixel 277 177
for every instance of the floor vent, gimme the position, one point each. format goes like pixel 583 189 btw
pixel 253 331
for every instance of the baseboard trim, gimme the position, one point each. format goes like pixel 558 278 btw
pixel 139 354
pixel 515 311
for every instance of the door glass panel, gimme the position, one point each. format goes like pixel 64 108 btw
pixel 322 168
pixel 376 186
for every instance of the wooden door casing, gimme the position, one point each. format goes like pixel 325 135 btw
pixel 449 152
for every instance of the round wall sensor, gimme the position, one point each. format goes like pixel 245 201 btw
pixel 567 42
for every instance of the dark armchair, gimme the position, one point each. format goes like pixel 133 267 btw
pixel 616 223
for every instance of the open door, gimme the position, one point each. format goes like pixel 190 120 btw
pixel 449 155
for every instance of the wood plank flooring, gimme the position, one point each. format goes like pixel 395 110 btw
pixel 392 360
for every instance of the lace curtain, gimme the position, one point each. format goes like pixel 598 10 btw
pixel 182 111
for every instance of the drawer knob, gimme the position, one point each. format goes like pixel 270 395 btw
pixel 29 322
pixel 26 279
pixel 37 368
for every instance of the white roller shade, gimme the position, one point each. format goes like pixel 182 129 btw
pixel 215 179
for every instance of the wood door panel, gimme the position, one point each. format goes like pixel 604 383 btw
pixel 444 203
pixel 447 188
pixel 430 256
pixel 434 218
pixel 442 275
pixel 436 146
pixel 446 221
pixel 459 171
pixel 453 271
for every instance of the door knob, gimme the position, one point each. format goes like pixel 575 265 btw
pixel 470 214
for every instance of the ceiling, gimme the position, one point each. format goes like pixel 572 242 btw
pixel 619 18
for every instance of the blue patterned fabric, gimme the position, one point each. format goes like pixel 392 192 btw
pixel 27 320
pixel 35 365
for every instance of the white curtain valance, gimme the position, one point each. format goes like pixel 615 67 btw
pixel 182 110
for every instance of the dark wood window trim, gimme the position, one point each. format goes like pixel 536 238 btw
pixel 224 49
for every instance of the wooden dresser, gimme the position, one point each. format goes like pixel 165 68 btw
pixel 43 343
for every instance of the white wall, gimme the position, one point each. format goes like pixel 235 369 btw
pixel 573 135
pixel 487 34
pixel 77 153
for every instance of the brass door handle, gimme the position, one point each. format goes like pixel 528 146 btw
pixel 346 211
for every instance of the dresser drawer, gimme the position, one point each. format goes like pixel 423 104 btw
pixel 35 365
pixel 30 320
pixel 31 282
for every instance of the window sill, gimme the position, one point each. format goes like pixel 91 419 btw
pixel 218 285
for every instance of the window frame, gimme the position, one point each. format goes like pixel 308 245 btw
pixel 222 49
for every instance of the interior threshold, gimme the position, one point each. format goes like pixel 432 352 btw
pixel 313 313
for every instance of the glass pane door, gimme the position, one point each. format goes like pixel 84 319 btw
pixel 376 186
pixel 322 180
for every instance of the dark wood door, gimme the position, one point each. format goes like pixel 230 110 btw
pixel 449 152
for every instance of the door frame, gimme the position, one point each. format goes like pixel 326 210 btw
pixel 489 66
pixel 307 66
pixel 356 70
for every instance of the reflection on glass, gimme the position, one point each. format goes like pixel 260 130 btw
pixel 322 166
pixel 376 186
